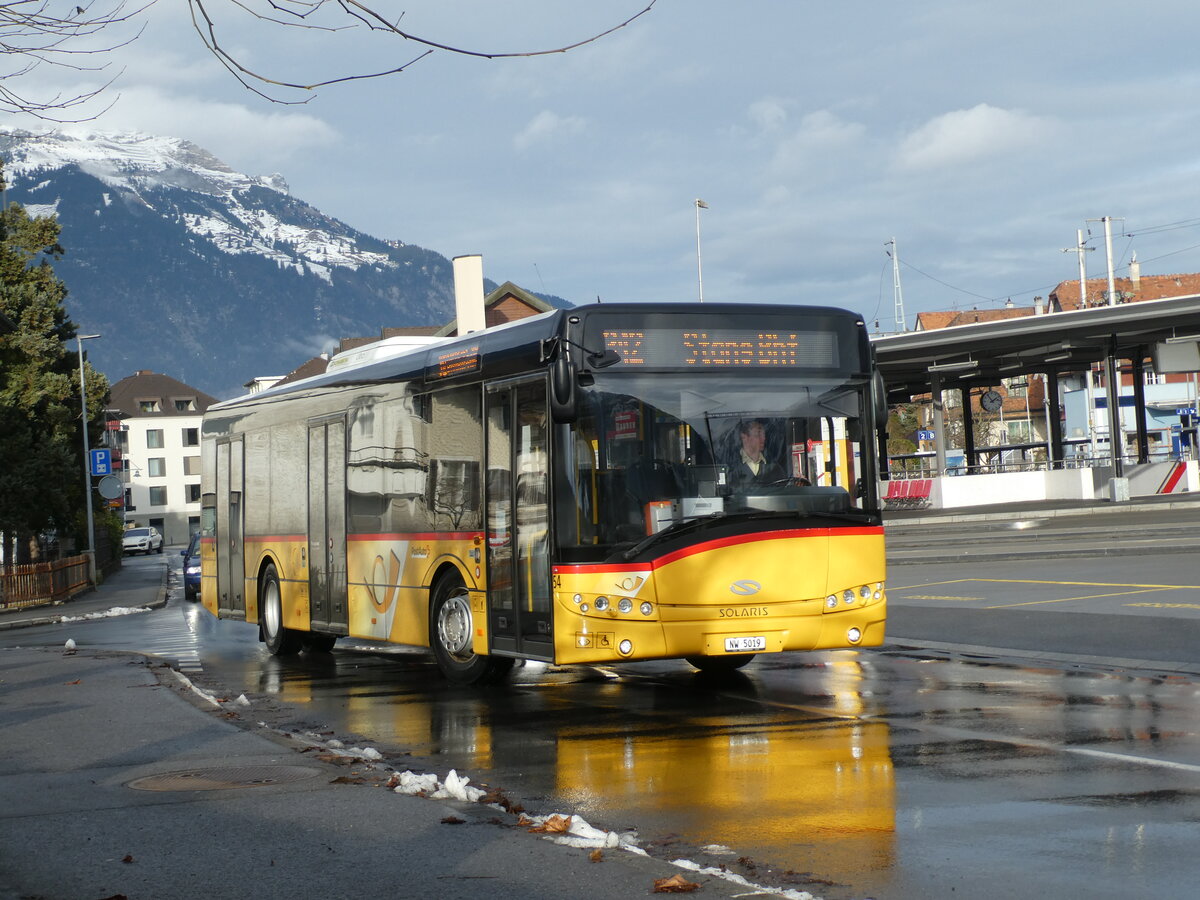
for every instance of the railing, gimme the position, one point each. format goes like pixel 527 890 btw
pixel 42 583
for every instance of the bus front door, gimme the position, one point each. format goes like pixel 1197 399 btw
pixel 231 570
pixel 328 606
pixel 518 520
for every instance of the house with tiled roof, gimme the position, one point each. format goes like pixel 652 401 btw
pixel 154 427
pixel 1133 289
pixel 507 303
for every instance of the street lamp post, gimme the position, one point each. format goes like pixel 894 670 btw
pixel 700 204
pixel 87 469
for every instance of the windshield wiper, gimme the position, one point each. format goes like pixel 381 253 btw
pixel 671 531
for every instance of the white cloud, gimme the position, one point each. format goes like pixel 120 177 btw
pixel 820 136
pixel 769 113
pixel 252 138
pixel 547 126
pixel 966 135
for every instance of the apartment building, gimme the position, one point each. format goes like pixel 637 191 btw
pixel 154 425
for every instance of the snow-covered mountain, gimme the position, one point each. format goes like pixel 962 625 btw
pixel 189 268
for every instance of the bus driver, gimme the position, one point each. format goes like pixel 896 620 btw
pixel 752 468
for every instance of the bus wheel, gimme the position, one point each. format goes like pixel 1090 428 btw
pixel 450 634
pixel 314 642
pixel 718 664
pixel 279 640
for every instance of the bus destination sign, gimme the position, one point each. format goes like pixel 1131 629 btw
pixel 723 348
pixel 449 363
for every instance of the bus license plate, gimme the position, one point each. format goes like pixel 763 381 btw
pixel 743 644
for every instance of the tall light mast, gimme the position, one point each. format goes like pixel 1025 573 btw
pixel 897 291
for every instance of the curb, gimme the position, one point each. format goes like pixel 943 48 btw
pixel 159 601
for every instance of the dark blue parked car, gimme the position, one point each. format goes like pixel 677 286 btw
pixel 191 568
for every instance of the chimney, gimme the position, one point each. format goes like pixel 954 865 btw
pixel 1135 271
pixel 468 293
pixel 1038 309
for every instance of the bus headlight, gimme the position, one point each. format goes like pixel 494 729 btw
pixel 854 635
pixel 625 647
pixel 601 604
pixel 578 598
pixel 848 595
pixel 626 605
pixel 831 602
pixel 646 608
pixel 865 592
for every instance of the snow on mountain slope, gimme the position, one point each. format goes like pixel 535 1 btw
pixel 140 166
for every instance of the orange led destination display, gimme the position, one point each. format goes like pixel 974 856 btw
pixel 723 348
pixel 460 361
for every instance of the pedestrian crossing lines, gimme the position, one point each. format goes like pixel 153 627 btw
pixel 171 634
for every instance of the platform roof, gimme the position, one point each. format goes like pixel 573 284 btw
pixel 1062 342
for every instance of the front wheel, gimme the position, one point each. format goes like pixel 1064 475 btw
pixel 279 640
pixel 450 635
pixel 719 664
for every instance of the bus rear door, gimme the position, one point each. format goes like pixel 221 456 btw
pixel 518 519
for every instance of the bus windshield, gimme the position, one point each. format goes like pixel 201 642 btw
pixel 652 452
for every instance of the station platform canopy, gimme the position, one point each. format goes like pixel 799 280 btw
pixel 1053 342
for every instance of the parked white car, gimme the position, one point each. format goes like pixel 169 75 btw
pixel 142 540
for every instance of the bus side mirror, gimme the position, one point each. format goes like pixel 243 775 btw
pixel 563 401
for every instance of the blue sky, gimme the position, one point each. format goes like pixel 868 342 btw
pixel 979 136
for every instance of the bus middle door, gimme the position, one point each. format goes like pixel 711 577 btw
pixel 327 581
pixel 231 567
pixel 518 519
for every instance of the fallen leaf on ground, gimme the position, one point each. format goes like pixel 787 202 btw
pixel 676 884
pixel 453 820
pixel 76 681
pixel 128 858
pixel 556 824
pixel 349 779
pixel 596 855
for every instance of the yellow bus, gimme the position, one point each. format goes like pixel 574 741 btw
pixel 602 484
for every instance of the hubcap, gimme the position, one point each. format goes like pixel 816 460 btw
pixel 454 627
pixel 271 612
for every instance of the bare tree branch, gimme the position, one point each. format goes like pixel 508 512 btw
pixel 340 15
pixel 74 34
pixel 65 33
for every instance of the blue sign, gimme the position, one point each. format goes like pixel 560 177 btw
pixel 1185 411
pixel 924 435
pixel 101 462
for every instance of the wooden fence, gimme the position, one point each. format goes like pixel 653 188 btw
pixel 42 583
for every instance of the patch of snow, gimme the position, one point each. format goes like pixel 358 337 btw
pixel 107 614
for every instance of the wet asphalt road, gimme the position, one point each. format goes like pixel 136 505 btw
pixel 890 774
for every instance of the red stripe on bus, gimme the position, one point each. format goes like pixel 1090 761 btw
pixel 418 536
pixel 721 543
pixel 600 568
pixel 585 568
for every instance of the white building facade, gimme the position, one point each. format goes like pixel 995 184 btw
pixel 155 421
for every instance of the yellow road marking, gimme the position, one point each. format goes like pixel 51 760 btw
pixel 1085 597
pixel 1167 605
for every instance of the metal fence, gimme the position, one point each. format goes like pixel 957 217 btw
pixel 43 583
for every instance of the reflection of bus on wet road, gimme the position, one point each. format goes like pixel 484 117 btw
pixel 600 484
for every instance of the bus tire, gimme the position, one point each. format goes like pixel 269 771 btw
pixel 316 642
pixel 280 641
pixel 451 628
pixel 719 664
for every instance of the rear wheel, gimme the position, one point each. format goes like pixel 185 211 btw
pixel 279 640
pixel 718 664
pixel 450 634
